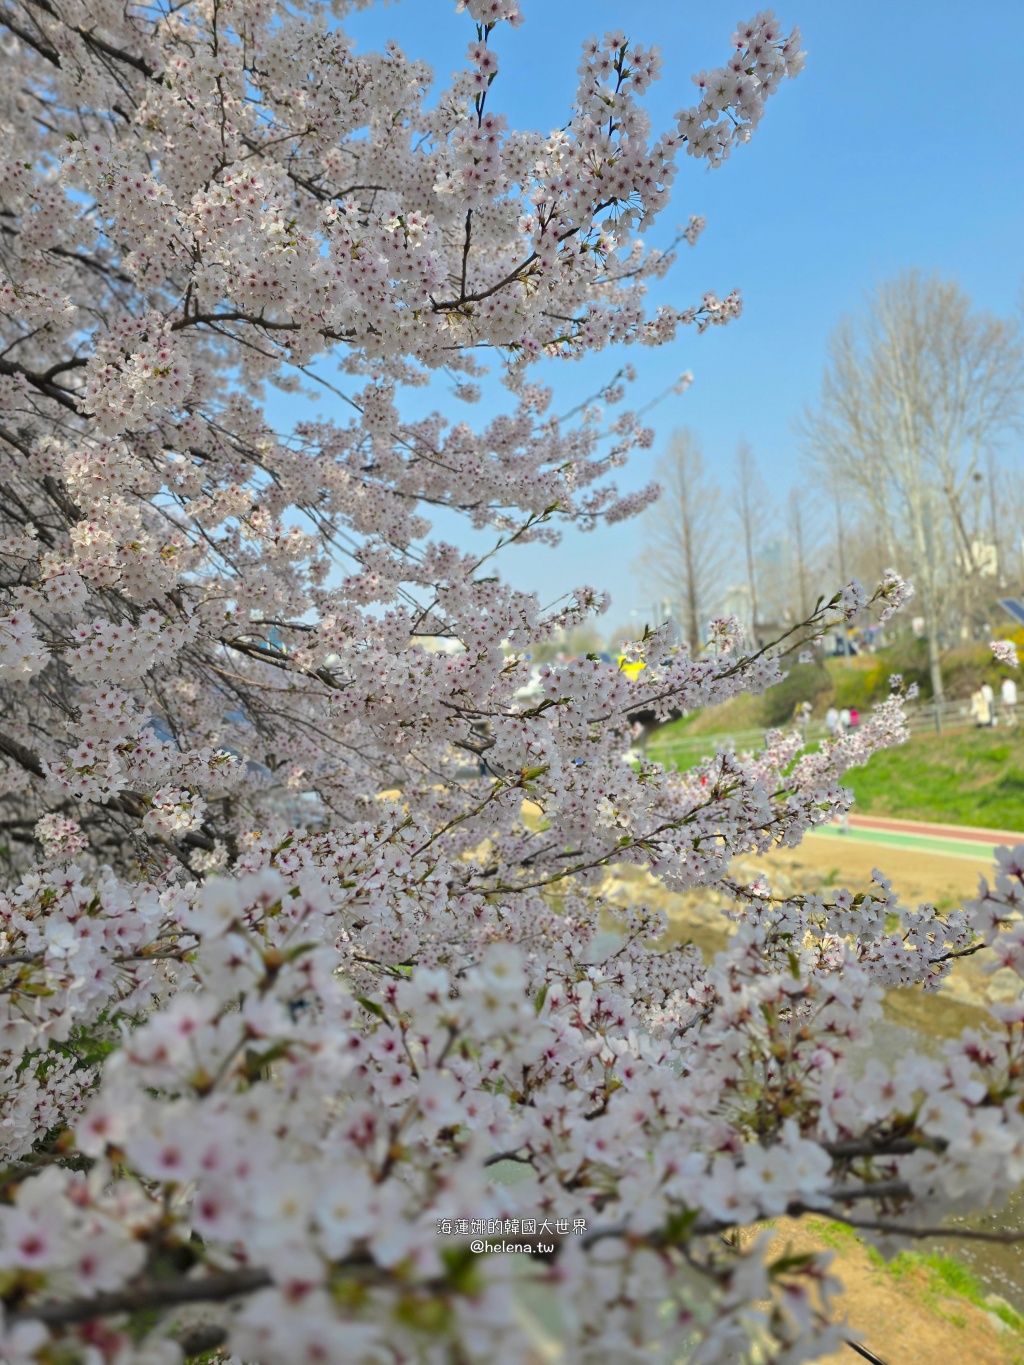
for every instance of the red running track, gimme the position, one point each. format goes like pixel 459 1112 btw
pixel 966 832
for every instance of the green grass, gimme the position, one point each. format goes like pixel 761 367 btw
pixel 938 1277
pixel 961 777
pixel 838 1235
pixel 945 1275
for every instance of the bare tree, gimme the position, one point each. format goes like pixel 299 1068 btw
pixel 799 551
pixel 1004 503
pixel 995 533
pixel 685 552
pixel 1006 493
pixel 842 563
pixel 750 501
pixel 914 395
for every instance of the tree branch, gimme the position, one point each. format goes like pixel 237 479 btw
pixel 214 1288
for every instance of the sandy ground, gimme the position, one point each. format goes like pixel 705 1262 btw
pixel 944 879
pixel 904 1319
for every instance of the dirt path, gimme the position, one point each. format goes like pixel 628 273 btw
pixel 908 1318
pixel 942 878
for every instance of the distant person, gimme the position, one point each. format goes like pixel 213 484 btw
pixel 831 721
pixel 990 699
pixel 844 720
pixel 854 717
pixel 980 708
pixel 1008 696
pixel 801 715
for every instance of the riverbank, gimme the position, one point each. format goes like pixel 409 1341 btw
pixel 917 1309
pixel 910 1312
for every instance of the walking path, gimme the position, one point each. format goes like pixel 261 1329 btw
pixel 958 841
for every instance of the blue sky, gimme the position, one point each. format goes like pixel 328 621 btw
pixel 896 147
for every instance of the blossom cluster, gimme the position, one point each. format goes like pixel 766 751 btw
pixel 303 945
pixel 1005 652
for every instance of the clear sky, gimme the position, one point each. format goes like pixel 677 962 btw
pixel 896 147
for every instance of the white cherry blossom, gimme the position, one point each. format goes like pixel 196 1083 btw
pixel 282 988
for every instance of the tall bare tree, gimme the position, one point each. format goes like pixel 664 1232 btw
pixel 685 551
pixel 1004 507
pixel 915 393
pixel 799 555
pixel 750 501
pixel 1006 491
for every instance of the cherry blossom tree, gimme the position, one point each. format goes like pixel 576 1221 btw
pixel 286 998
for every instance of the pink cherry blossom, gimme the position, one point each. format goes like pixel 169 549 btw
pixel 292 972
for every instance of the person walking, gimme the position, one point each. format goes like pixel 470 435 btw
pixel 990 701
pixel 980 709
pixel 831 721
pixel 1008 696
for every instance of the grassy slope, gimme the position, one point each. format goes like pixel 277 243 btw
pixel 962 777
pixel 920 1305
pixel 861 681
pixel 967 777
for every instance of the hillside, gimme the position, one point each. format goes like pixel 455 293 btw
pixel 964 777
pixel 961 777
pixel 861 682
